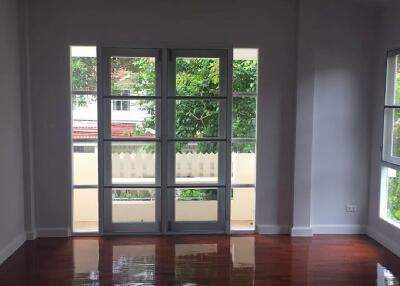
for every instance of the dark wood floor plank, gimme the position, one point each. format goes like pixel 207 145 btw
pixel 202 260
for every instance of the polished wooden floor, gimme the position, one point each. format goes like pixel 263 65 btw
pixel 202 260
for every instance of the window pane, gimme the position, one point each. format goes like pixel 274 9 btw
pixel 391 194
pixel 133 205
pixel 397 82
pixel 133 163
pixel 244 163
pixel 134 76
pixel 243 208
pixel 84 117
pixel 83 68
pixel 244 76
pixel 133 119
pixel 196 118
pixel 85 210
pixel 396 133
pixel 392 135
pixel 196 205
pixel 85 163
pixel 393 81
pixel 84 136
pixel 197 76
pixel 244 117
pixel 196 162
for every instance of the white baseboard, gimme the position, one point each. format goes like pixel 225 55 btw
pixel 11 247
pixel 310 231
pixel 385 241
pixel 31 235
pixel 273 229
pixel 339 229
pixel 302 231
pixel 53 232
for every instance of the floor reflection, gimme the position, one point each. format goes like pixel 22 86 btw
pixel 134 263
pixel 223 260
pixel 86 262
pixel 194 261
pixel 385 277
pixel 242 250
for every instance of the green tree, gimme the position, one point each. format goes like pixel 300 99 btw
pixel 84 78
pixel 394 197
pixel 199 195
pixel 194 118
pixel 194 77
pixel 394 182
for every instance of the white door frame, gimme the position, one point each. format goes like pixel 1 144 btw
pixel 165 154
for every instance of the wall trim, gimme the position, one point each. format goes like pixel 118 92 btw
pixel 31 235
pixel 53 232
pixel 339 229
pixel 310 231
pixel 303 231
pixel 273 229
pixel 384 241
pixel 11 247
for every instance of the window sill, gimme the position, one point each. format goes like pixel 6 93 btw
pixel 391 221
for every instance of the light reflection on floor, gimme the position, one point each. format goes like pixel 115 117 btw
pixel 86 261
pixel 134 263
pixel 385 277
pixel 182 262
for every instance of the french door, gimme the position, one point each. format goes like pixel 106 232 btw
pixel 164 140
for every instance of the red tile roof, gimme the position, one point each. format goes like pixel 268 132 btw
pixel 118 130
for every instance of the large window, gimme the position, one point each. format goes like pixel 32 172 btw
pixel 391 144
pixel 244 138
pixel 390 195
pixel 85 215
pixel 164 140
pixel 390 180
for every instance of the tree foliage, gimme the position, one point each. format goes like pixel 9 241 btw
pixel 194 77
pixel 394 197
pixel 194 118
pixel 394 182
pixel 84 77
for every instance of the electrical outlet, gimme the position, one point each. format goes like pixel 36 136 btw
pixel 351 208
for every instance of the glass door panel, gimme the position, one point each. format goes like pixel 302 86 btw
pixel 197 154
pixel 196 162
pixel 170 181
pixel 133 163
pixel 133 205
pixel 131 105
pixel 197 210
pixel 196 205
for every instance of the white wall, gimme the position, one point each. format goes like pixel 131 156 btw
pixel 333 50
pixel 332 152
pixel 265 24
pixel 343 48
pixel 12 232
pixel 389 38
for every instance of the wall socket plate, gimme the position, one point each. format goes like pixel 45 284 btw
pixel 351 208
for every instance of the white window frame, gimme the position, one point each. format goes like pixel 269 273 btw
pixel 84 141
pixel 389 108
pixel 164 183
pixel 388 160
pixel 253 140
